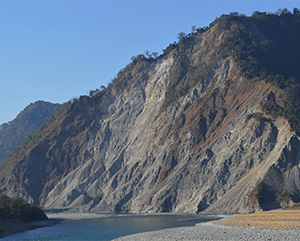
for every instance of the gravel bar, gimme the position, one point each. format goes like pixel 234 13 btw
pixel 76 216
pixel 214 231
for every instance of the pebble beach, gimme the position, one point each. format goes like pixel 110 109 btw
pixel 271 225
pixel 214 231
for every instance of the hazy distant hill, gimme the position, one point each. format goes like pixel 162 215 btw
pixel 29 120
pixel 211 125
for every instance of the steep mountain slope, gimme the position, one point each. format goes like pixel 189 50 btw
pixel 28 121
pixel 189 131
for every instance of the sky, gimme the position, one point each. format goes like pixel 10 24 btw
pixel 58 50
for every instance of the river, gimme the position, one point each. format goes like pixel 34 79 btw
pixel 105 229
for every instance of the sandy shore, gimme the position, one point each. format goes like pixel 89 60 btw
pixel 276 219
pixel 273 225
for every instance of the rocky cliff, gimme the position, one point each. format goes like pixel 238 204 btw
pixel 185 132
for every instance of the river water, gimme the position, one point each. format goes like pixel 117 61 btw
pixel 104 229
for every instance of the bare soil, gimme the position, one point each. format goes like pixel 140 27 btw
pixel 275 219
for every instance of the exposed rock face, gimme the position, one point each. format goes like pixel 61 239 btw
pixel 202 153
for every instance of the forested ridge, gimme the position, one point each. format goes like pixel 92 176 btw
pixel 28 121
pixel 266 48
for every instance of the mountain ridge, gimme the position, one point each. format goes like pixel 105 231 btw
pixel 189 131
pixel 27 121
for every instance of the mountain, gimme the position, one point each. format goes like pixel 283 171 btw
pixel 211 125
pixel 28 121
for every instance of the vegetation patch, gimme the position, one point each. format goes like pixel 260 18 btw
pixel 266 197
pixel 28 121
pixel 17 208
pixel 258 116
pixel 49 125
pixel 266 48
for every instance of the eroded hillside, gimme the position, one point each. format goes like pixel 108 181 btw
pixel 185 132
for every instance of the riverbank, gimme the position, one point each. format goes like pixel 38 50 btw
pixel 12 226
pixel 275 219
pixel 271 225
pixel 75 215
pixel 81 216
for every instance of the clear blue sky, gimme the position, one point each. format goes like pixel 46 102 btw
pixel 57 50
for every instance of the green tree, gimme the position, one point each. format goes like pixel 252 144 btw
pixel 181 36
pixel 17 208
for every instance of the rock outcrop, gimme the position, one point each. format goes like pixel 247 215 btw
pixel 207 151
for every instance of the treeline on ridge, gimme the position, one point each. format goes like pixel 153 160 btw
pixel 273 57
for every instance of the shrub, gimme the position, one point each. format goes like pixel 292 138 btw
pixel 17 208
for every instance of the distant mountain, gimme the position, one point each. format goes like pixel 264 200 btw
pixel 211 125
pixel 28 121
pixel 3 126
